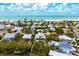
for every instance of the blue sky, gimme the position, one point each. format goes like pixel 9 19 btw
pixel 55 9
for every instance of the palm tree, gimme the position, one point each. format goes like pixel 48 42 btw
pixel 19 23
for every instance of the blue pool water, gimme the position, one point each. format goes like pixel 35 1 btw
pixel 66 47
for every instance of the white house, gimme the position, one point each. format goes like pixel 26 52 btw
pixel 27 36
pixel 40 36
pixel 77 26
pixel 77 35
pixel 55 53
pixel 39 30
pixel 64 37
pixel 18 29
pixel 52 29
pixel 9 36
pixel 65 30
pixel 8 26
pixel 50 25
pixel 2 27
pixel 53 43
pixel 32 28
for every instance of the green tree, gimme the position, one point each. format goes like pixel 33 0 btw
pixel 0 37
pixel 59 30
pixel 40 49
pixel 70 34
pixel 10 47
pixel 27 31
pixel 2 46
pixel 18 36
pixel 19 23
pixel 7 47
pixel 9 30
pixel 23 47
pixel 49 38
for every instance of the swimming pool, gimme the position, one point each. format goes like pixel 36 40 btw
pixel 66 47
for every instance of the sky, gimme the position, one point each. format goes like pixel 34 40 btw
pixel 50 9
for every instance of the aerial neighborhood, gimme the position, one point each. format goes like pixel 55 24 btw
pixel 39 38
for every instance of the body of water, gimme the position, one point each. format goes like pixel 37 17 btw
pixel 39 17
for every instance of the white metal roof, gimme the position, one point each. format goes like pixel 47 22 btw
pixel 42 35
pixel 53 43
pixel 2 26
pixel 64 37
pixel 9 35
pixel 18 28
pixel 27 36
pixel 55 53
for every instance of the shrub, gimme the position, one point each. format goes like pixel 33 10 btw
pixel 2 46
pixel 59 30
pixel 23 47
pixel 9 30
pixel 7 47
pixel 10 46
pixel 40 49
pixel 18 36
pixel 0 37
pixel 70 34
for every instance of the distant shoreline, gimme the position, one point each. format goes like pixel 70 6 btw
pixel 40 18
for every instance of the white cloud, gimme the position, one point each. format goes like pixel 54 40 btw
pixel 43 6
pixel 40 7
